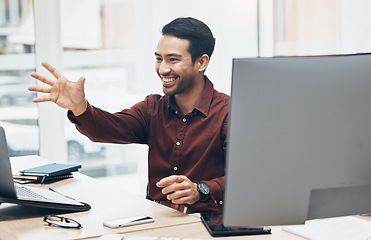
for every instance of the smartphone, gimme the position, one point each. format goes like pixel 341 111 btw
pixel 128 221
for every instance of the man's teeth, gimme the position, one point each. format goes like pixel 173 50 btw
pixel 168 79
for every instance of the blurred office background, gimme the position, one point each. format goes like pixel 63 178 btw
pixel 111 43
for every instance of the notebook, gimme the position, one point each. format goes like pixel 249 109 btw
pixel 50 169
pixel 39 179
pixel 31 196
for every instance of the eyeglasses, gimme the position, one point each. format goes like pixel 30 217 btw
pixel 62 222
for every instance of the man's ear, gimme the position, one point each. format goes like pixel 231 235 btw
pixel 202 62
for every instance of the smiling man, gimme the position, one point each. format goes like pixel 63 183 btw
pixel 186 129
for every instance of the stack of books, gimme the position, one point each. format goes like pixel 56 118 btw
pixel 48 172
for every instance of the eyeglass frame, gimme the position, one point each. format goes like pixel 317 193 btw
pixel 47 219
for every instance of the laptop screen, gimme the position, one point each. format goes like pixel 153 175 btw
pixel 6 177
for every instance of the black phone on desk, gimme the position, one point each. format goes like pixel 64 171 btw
pixel 213 222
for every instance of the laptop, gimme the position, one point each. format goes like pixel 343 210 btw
pixel 11 192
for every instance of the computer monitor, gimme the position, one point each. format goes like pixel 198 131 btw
pixel 299 139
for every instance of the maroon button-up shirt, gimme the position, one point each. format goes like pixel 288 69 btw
pixel 193 145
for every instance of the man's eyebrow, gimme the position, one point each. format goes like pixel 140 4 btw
pixel 170 55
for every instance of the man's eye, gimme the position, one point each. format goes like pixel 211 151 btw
pixel 173 59
pixel 158 59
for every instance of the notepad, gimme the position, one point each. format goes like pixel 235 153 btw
pixel 51 169
pixel 339 228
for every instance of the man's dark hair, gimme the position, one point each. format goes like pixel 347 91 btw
pixel 201 39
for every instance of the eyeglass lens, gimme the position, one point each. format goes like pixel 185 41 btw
pixel 57 221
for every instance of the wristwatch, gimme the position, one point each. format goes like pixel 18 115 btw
pixel 204 191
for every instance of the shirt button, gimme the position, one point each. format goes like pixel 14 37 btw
pixel 175 168
pixel 176 112
pixel 184 119
pixel 220 202
pixel 177 143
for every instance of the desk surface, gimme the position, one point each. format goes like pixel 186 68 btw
pixel 198 231
pixel 20 222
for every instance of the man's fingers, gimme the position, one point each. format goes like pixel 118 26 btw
pixel 179 194
pixel 182 197
pixel 42 78
pixel 170 180
pixel 52 70
pixel 177 187
pixel 183 200
pixel 39 89
pixel 80 83
pixel 172 188
pixel 41 99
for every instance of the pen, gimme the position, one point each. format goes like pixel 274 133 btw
pixel 42 180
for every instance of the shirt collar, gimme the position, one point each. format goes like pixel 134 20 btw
pixel 204 102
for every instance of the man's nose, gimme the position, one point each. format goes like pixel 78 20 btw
pixel 164 68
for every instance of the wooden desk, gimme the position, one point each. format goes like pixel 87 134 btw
pixel 198 231
pixel 21 222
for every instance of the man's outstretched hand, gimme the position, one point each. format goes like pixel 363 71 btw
pixel 66 94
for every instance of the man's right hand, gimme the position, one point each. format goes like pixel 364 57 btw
pixel 66 94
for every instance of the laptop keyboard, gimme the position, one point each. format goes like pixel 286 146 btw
pixel 27 193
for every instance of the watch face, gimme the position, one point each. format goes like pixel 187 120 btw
pixel 203 188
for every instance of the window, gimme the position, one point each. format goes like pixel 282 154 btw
pixel 18 115
pixel 321 27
